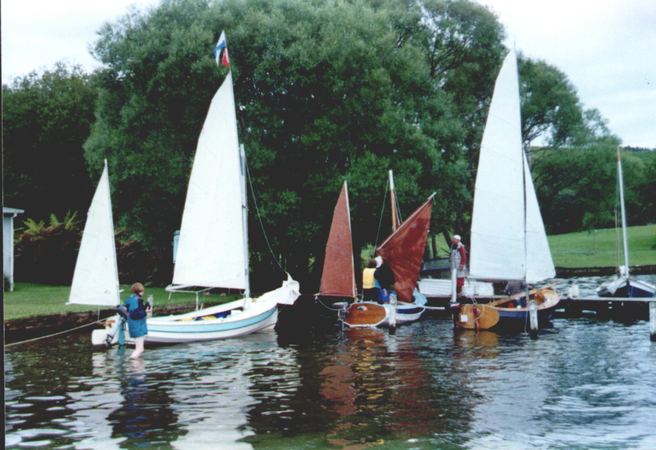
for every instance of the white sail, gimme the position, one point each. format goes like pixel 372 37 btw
pixel 95 280
pixel 212 235
pixel 539 264
pixel 508 241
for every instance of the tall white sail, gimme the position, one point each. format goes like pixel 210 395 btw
pixel 508 237
pixel 212 235
pixel 95 280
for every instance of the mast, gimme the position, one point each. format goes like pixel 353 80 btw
pixel 395 214
pixel 244 218
pixel 620 181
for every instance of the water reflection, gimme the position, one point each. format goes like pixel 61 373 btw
pixel 584 383
pixel 145 416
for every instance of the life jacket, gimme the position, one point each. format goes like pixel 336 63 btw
pixel 140 311
pixel 368 278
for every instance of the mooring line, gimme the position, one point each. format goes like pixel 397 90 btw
pixel 55 334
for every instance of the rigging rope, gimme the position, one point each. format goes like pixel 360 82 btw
pixel 55 334
pixel 259 218
pixel 318 300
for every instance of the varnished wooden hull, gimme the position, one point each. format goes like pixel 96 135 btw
pixel 372 314
pixel 504 315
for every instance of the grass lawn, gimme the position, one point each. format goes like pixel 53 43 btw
pixel 599 248
pixel 29 299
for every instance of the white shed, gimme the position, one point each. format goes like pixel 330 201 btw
pixel 8 215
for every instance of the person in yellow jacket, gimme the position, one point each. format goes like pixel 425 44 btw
pixel 370 285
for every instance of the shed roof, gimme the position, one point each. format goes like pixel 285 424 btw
pixel 11 211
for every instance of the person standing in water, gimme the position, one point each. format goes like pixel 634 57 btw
pixel 137 313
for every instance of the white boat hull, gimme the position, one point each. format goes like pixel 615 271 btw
pixel 441 288
pixel 229 320
pixel 624 286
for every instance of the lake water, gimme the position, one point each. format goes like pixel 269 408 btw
pixel 584 383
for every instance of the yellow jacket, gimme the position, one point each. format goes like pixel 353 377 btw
pixel 368 278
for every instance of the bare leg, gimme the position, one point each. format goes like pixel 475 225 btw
pixel 138 347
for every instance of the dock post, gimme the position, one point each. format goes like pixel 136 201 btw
pixel 533 318
pixel 392 316
pixel 652 321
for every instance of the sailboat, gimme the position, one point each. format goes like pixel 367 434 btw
pixel 95 278
pixel 403 251
pixel 213 244
pixel 508 240
pixel 622 285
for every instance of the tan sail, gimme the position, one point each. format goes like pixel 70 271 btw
pixel 338 276
pixel 403 251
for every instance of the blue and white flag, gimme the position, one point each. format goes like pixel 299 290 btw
pixel 221 51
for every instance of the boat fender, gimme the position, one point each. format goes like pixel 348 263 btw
pixel 122 311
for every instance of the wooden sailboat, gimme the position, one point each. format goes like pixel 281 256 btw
pixel 403 251
pixel 508 240
pixel 622 285
pixel 213 245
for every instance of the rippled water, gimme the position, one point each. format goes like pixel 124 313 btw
pixel 584 384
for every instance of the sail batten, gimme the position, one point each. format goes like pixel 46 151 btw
pixel 404 249
pixel 338 276
pixel 212 235
pixel 508 239
pixel 95 279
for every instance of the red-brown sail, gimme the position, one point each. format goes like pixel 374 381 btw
pixel 403 251
pixel 338 277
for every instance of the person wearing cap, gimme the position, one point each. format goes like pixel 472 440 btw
pixel 458 261
pixel 385 278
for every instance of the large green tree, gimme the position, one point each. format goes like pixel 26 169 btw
pixel 552 110
pixel 325 92
pixel 46 118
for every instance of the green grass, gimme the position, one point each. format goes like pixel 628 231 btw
pixel 29 299
pixel 599 248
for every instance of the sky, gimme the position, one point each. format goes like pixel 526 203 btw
pixel 607 48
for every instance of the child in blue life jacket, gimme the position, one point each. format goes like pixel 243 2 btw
pixel 137 313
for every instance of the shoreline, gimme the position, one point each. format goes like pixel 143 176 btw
pixel 16 330
pixel 570 272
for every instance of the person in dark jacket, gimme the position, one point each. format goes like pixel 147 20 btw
pixel 385 278
pixel 136 310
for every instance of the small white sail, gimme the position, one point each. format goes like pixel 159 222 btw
pixel 95 280
pixel 539 264
pixel 212 235
pixel 508 243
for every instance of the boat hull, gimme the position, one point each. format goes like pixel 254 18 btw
pixel 373 314
pixel 503 315
pixel 229 320
pixel 626 287
pixel 174 330
pixel 441 288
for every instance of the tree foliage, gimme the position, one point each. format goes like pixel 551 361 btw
pixel 325 92
pixel 46 119
pixel 577 188
pixel 552 110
